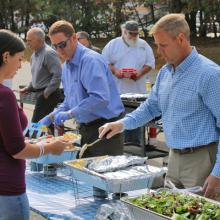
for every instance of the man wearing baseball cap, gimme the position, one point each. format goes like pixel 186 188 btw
pixel 130 59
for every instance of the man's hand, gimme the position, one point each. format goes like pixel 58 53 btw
pixel 46 121
pixel 133 76
pixel 24 91
pixel 61 117
pixel 111 128
pixel 137 74
pixel 119 74
pixel 211 188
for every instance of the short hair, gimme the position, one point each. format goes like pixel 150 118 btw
pixel 173 24
pixel 38 32
pixel 10 42
pixel 83 34
pixel 62 26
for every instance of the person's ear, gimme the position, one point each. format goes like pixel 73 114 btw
pixel 181 38
pixel 74 37
pixel 5 56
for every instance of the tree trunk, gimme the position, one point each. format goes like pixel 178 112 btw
pixel 175 6
pixel 11 12
pixel 152 13
pixel 118 15
pixel 139 19
pixel 87 16
pixel 2 14
pixel 27 17
pixel 214 29
pixel 192 23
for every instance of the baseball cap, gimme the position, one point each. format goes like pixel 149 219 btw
pixel 131 26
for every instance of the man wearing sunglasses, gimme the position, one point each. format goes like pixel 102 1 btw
pixel 130 59
pixel 91 95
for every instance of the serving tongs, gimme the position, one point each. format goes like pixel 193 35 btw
pixel 170 185
pixel 85 146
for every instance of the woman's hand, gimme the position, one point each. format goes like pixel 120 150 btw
pixel 58 146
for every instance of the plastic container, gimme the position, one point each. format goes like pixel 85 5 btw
pixel 148 85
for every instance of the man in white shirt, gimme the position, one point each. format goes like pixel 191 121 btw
pixel 129 51
pixel 130 59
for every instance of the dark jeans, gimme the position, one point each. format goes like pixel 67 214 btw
pixel 112 146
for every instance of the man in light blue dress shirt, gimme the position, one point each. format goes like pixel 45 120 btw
pixel 91 95
pixel 186 95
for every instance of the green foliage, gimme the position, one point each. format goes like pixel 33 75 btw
pixel 104 17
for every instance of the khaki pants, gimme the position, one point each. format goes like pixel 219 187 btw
pixel 191 169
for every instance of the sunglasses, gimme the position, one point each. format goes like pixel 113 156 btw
pixel 133 33
pixel 60 45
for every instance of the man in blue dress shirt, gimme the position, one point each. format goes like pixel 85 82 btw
pixel 91 95
pixel 186 95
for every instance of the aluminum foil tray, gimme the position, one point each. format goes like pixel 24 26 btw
pixel 146 214
pixel 50 158
pixel 134 97
pixel 80 172
pixel 142 214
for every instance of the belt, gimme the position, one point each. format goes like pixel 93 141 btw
pixel 99 120
pixel 190 150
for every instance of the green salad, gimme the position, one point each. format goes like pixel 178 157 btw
pixel 178 206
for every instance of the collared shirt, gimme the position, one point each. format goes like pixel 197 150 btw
pixel 188 99
pixel 118 53
pixel 45 69
pixel 90 90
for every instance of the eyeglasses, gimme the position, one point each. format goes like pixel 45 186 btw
pixel 133 33
pixel 60 45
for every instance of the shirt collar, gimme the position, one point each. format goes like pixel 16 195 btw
pixel 38 51
pixel 186 63
pixel 77 55
pixel 125 41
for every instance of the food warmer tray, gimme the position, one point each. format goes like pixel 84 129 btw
pixel 80 172
pixel 141 213
pixel 134 97
pixel 69 153
pixel 50 158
